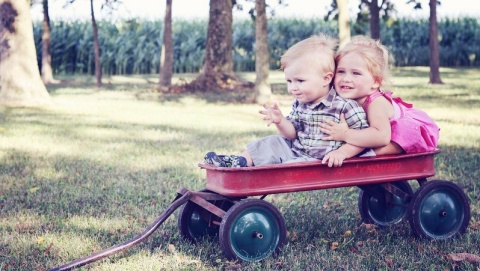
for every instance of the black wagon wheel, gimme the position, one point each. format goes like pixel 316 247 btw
pixel 439 210
pixel 195 223
pixel 252 230
pixel 381 207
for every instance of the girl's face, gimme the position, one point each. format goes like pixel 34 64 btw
pixel 307 84
pixel 353 80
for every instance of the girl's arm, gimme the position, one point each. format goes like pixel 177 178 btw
pixel 377 135
pixel 335 158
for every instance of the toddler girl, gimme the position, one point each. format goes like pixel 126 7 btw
pixel 395 126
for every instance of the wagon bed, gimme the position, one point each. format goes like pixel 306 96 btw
pixel 303 176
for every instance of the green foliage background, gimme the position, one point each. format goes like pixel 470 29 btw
pixel 133 46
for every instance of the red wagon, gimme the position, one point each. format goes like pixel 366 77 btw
pixel 249 228
pixel 252 229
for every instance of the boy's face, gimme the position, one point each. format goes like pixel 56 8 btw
pixel 353 80
pixel 305 82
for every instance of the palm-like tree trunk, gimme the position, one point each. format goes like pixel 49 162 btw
pixel 374 19
pixel 20 81
pixel 434 50
pixel 374 9
pixel 218 53
pixel 47 72
pixel 166 57
pixel 96 48
pixel 263 90
pixel 343 22
pixel 217 72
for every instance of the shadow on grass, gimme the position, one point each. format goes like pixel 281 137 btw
pixel 324 223
pixel 83 199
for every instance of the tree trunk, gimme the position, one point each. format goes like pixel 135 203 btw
pixel 20 81
pixel 96 48
pixel 47 73
pixel 166 56
pixel 374 19
pixel 343 22
pixel 263 90
pixel 217 72
pixel 434 50
pixel 218 53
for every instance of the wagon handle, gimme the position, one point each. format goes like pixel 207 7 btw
pixel 177 202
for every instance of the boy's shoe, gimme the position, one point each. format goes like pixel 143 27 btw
pixel 225 160
pixel 213 159
pixel 236 161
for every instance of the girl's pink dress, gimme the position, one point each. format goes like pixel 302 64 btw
pixel 412 129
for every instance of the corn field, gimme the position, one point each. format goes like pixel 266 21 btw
pixel 133 46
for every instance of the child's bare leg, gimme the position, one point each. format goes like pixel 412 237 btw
pixel 247 157
pixel 392 148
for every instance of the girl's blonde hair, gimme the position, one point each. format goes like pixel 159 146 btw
pixel 376 55
pixel 320 49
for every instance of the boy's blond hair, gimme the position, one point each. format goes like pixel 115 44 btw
pixel 320 49
pixel 376 55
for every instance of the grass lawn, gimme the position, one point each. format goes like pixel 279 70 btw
pixel 98 167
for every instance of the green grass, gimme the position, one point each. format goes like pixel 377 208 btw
pixel 97 168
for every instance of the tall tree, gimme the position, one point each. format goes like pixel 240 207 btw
pixel 374 12
pixel 339 11
pixel 166 56
pixel 20 81
pixel 263 90
pixel 434 50
pixel 344 34
pixel 96 48
pixel 110 4
pixel 374 18
pixel 47 72
pixel 217 72
pixel 368 10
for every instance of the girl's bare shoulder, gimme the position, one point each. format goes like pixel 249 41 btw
pixel 381 105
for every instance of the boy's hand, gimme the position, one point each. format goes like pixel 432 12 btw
pixel 335 131
pixel 272 114
pixel 335 158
